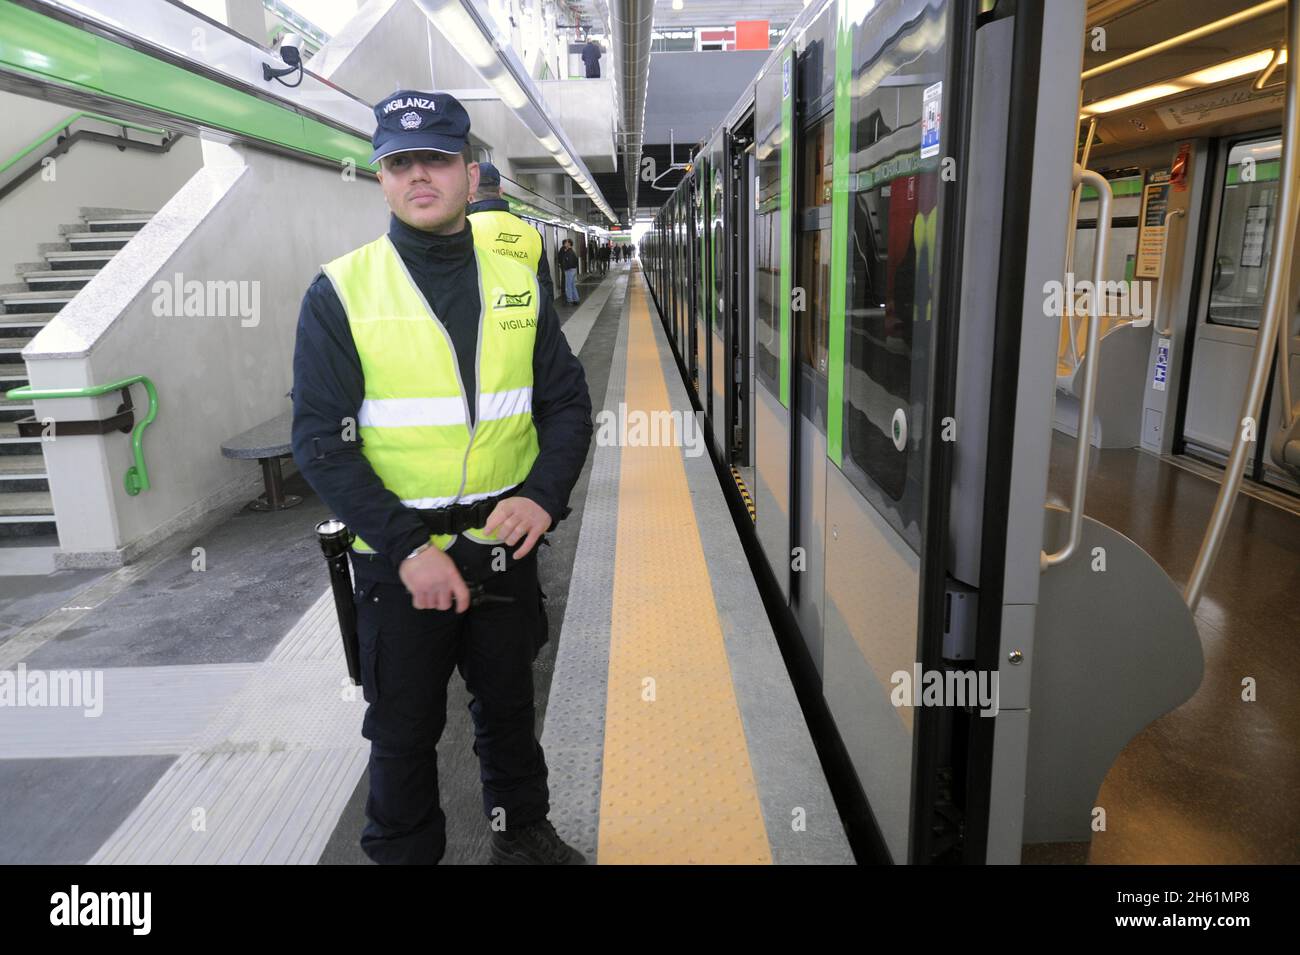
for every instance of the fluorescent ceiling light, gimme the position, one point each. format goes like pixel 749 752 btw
pixel 1242 66
pixel 1209 76
pixel 1134 97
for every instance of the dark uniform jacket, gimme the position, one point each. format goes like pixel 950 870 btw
pixel 328 387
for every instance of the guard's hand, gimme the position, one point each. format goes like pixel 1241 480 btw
pixel 434 581
pixel 516 519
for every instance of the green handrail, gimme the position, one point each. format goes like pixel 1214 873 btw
pixel 46 137
pixel 137 476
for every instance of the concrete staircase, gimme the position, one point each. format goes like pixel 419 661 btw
pixel 26 510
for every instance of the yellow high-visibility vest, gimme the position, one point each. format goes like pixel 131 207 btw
pixel 505 234
pixel 414 422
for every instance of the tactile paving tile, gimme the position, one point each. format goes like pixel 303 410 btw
pixel 574 732
pixel 201 810
pixel 803 823
pixel 677 784
pixel 266 772
pixel 145 711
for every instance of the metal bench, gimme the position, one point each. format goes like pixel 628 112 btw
pixel 268 443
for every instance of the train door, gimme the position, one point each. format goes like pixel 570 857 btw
pixel 681 270
pixel 1235 280
pixel 720 369
pixel 774 157
pixel 740 207
pixel 695 251
pixel 810 309
pixel 668 256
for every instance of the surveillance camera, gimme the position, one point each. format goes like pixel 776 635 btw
pixel 291 49
pixel 290 54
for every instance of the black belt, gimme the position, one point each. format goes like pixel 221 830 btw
pixel 459 518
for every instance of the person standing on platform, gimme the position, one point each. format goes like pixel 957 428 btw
pixel 438 412
pixel 569 266
pixel 591 58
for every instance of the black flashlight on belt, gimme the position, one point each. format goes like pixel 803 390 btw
pixel 335 539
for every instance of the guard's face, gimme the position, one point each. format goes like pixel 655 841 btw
pixel 427 189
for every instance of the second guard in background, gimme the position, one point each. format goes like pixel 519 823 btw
pixel 501 231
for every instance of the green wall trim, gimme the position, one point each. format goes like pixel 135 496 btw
pixel 840 238
pixel 38 46
pixel 787 208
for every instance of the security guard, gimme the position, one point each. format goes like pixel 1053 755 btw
pixel 502 232
pixel 439 412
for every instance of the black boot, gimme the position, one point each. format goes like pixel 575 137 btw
pixel 536 843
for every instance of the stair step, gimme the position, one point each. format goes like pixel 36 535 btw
pixel 92 258
pixel 66 280
pixel 22 467
pixel 114 224
pixel 9 435
pixel 83 241
pixel 58 275
pixel 12 346
pixel 38 297
pixel 12 320
pixel 26 505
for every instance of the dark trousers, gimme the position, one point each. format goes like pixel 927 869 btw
pixel 407 657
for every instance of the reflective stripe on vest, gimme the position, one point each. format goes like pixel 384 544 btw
pixel 507 235
pixel 414 420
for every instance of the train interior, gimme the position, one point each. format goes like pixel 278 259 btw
pixel 1189 139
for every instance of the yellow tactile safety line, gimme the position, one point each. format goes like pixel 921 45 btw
pixel 677 784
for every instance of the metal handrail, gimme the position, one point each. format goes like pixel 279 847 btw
pixel 1091 357
pixel 50 134
pixel 1284 365
pixel 137 476
pixel 1275 303
pixel 1262 81
pixel 1160 281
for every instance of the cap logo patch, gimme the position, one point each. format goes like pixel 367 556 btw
pixel 410 120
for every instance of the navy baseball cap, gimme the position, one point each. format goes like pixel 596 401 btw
pixel 488 174
pixel 410 119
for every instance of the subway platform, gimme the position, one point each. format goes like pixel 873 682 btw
pixel 227 732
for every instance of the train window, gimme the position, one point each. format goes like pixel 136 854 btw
pixel 1121 250
pixel 1246 219
pixel 813 320
pixel 893 215
pixel 767 232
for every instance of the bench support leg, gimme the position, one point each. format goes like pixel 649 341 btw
pixel 274 499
